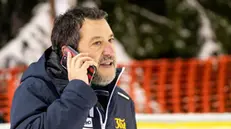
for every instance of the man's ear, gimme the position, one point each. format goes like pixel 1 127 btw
pixel 62 49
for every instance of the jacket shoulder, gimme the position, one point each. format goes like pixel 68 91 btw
pixel 37 87
pixel 123 94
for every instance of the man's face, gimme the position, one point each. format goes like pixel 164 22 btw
pixel 97 39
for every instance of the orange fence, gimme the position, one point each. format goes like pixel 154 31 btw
pixel 9 80
pixel 160 86
pixel 179 86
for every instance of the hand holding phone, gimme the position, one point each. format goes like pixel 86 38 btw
pixel 79 66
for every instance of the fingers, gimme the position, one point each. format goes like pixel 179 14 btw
pixel 87 64
pixel 81 60
pixel 78 65
pixel 75 59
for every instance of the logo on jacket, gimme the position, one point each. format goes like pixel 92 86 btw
pixel 88 123
pixel 120 123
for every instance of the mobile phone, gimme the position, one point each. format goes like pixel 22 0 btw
pixel 90 71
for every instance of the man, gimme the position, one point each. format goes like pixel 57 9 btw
pixel 52 97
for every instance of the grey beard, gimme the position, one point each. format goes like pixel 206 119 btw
pixel 99 80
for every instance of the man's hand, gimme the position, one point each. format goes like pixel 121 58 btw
pixel 78 65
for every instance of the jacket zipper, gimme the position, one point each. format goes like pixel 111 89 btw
pixel 103 124
pixel 101 119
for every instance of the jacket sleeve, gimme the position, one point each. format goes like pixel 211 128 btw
pixel 31 110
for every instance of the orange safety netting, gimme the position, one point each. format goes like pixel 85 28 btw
pixel 180 85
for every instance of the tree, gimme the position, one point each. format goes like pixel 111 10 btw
pixel 14 14
pixel 176 33
pixel 147 29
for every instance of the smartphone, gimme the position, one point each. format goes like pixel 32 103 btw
pixel 90 71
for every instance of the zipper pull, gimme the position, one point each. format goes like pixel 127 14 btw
pixel 103 126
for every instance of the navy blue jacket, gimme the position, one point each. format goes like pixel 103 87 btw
pixel 46 99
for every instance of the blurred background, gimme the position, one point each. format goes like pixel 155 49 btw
pixel 176 54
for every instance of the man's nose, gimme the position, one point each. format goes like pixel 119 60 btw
pixel 108 50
